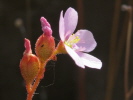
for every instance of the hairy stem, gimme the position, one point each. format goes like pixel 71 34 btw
pixel 37 81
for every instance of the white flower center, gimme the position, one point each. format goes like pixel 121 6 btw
pixel 72 40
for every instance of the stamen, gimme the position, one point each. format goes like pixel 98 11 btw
pixel 72 40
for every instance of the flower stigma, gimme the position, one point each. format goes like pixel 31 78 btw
pixel 72 40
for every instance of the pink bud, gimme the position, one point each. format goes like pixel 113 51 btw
pixel 47 31
pixel 46 28
pixel 27 46
pixel 45 44
pixel 29 64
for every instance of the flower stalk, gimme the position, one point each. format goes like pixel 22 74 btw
pixel 37 81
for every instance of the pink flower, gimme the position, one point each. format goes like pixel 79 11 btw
pixel 77 44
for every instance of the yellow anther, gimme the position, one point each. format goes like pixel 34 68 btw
pixel 72 40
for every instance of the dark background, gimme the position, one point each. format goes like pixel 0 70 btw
pixel 66 80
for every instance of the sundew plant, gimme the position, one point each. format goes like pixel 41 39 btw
pixel 77 45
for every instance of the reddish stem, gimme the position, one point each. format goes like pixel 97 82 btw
pixel 37 81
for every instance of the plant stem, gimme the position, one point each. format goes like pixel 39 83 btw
pixel 37 81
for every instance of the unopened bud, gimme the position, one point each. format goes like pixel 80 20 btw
pixel 44 47
pixel 29 64
pixel 45 44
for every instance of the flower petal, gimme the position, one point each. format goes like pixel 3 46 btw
pixel 70 21
pixel 74 56
pixel 90 61
pixel 61 27
pixel 87 42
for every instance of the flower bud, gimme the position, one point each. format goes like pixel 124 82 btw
pixel 29 64
pixel 45 44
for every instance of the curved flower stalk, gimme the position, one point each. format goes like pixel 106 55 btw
pixel 76 45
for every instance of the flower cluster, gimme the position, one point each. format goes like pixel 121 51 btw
pixel 76 45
